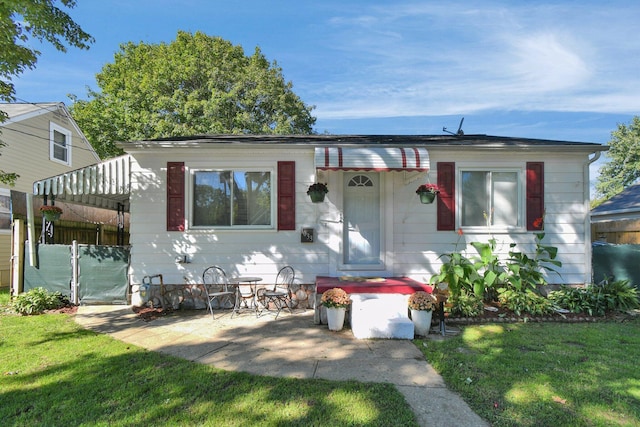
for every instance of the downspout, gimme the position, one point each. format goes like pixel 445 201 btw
pixel 588 246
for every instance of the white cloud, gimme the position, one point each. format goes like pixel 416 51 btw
pixel 544 64
pixel 425 60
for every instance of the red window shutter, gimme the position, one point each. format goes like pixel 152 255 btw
pixel 175 196
pixel 446 199
pixel 535 194
pixel 286 195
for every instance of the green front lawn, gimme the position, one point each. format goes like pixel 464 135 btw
pixel 55 373
pixel 521 374
pixel 545 374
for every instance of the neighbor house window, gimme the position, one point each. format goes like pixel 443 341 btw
pixel 59 144
pixel 491 198
pixel 232 198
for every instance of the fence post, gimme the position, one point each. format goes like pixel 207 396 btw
pixel 74 273
pixel 100 233
pixel 17 257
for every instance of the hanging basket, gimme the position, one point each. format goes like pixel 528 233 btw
pixel 427 197
pixel 51 213
pixel 317 196
pixel 51 216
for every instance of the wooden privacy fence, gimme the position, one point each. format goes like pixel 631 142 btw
pixel 617 232
pixel 65 232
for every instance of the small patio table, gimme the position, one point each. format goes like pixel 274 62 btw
pixel 242 295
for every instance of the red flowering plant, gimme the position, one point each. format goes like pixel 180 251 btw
pixel 335 298
pixel 428 188
pixel 538 223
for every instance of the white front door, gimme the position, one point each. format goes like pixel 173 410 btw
pixel 362 228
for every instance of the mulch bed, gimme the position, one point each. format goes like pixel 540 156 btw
pixel 67 309
pixel 148 314
pixel 502 315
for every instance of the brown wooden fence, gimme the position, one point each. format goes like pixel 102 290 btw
pixel 65 232
pixel 617 232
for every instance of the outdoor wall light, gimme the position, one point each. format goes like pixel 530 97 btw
pixel 183 259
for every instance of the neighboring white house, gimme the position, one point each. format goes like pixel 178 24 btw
pixel 240 202
pixel 41 140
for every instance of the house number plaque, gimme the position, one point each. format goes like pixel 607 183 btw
pixel 307 235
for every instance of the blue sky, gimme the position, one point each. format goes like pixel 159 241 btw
pixel 567 70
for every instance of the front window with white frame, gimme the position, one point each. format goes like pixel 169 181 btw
pixel 491 199
pixel 59 144
pixel 232 198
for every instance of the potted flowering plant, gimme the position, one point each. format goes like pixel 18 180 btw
pixel 50 212
pixel 427 192
pixel 316 192
pixel 336 301
pixel 421 305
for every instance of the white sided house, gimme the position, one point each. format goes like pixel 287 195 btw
pixel 240 202
pixel 40 140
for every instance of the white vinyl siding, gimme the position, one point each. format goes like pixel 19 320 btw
pixel 240 251
pixel 413 246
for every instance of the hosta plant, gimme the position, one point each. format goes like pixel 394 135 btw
pixel 37 300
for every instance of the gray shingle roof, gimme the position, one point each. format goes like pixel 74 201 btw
pixel 625 201
pixel 427 140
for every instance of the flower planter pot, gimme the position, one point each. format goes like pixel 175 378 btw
pixel 51 216
pixel 421 321
pixel 335 318
pixel 427 197
pixel 317 196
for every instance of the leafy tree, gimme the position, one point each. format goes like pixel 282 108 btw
pixel 21 21
pixel 195 85
pixel 623 168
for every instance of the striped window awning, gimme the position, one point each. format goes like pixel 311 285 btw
pixel 104 185
pixel 372 158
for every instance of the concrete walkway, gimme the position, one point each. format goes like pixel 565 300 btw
pixel 291 346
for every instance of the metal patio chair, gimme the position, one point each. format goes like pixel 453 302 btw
pixel 280 293
pixel 217 286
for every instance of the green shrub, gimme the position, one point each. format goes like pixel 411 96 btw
pixel 624 294
pixel 526 272
pixel 525 302
pixel 492 274
pixel 37 300
pixel 467 304
pixel 597 299
pixel 576 300
pixel 458 272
